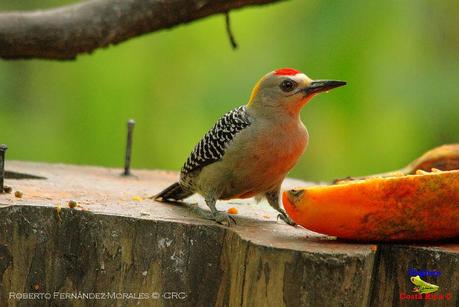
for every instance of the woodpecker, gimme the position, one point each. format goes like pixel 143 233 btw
pixel 250 150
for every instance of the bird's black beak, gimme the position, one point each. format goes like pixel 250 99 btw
pixel 322 86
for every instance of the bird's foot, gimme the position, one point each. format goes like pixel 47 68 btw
pixel 283 216
pixel 217 216
pixel 200 212
pixel 223 218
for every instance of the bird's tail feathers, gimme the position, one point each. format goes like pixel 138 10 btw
pixel 172 192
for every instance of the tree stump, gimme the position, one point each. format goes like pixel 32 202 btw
pixel 119 248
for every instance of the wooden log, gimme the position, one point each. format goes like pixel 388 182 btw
pixel 119 244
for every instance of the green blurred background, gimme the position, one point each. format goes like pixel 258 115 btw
pixel 400 58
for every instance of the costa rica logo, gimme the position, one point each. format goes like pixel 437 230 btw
pixel 422 286
pixel 424 290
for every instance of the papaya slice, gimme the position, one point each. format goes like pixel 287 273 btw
pixel 444 158
pixel 423 206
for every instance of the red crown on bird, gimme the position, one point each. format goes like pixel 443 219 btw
pixel 286 72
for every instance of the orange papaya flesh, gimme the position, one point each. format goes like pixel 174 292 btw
pixel 413 207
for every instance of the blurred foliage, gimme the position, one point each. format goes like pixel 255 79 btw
pixel 400 58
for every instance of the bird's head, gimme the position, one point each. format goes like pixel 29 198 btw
pixel 288 90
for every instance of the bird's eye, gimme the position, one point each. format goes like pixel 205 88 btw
pixel 288 85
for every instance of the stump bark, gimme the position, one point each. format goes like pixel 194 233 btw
pixel 130 250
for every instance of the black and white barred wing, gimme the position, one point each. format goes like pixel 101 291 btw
pixel 212 146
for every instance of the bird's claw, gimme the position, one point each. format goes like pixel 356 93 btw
pixel 218 216
pixel 224 218
pixel 283 216
pixel 200 212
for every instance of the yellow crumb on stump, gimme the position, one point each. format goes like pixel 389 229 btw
pixel 232 210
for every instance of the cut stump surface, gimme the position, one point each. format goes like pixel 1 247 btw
pixel 119 242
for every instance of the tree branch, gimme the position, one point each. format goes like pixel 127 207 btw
pixel 63 33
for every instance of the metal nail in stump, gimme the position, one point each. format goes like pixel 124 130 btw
pixel 3 149
pixel 127 156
